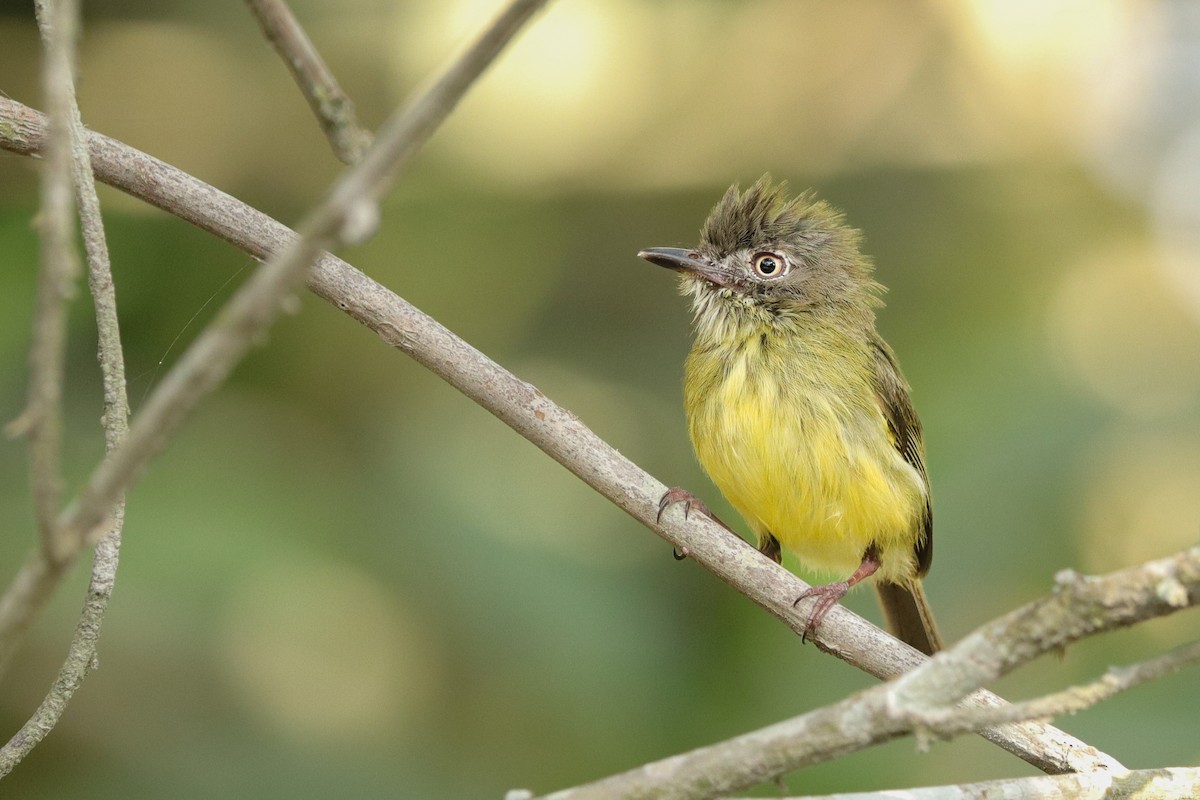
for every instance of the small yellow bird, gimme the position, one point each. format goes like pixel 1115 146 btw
pixel 795 405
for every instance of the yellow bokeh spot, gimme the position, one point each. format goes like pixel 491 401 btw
pixel 1026 34
pixel 1052 68
pixel 556 103
pixel 1122 330
pixel 1143 502
pixel 323 652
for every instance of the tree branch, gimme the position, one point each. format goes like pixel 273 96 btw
pixel 42 417
pixel 553 429
pixel 82 651
pixel 331 105
pixel 81 656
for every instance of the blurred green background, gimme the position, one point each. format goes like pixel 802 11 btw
pixel 345 579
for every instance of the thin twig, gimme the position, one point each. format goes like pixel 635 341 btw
pixel 332 106
pixel 42 418
pixel 520 405
pixel 1080 606
pixel 81 654
pixel 1175 783
pixel 951 721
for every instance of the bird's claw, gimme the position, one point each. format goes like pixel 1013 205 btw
pixel 690 501
pixel 677 495
pixel 827 597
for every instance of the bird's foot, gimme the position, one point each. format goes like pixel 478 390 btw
pixel 829 594
pixel 690 501
pixel 827 597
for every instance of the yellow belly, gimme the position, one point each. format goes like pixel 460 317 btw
pixel 808 461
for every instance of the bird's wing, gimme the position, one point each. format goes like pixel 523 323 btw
pixel 891 391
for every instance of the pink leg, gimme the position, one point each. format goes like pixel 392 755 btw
pixel 831 593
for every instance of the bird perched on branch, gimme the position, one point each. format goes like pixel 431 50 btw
pixel 796 407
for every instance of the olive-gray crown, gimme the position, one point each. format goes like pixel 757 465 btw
pixel 813 235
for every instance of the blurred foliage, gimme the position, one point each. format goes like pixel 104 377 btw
pixel 344 578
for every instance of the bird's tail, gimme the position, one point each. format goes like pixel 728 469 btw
pixel 908 615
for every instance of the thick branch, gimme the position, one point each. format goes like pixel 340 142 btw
pixel 333 108
pixel 553 429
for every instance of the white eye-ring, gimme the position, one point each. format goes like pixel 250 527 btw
pixel 769 265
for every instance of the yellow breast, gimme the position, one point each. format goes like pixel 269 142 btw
pixel 795 440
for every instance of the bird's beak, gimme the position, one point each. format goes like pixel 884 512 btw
pixel 682 260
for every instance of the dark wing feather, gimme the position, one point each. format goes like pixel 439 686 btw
pixel 905 428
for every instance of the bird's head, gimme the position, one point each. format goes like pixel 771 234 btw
pixel 764 256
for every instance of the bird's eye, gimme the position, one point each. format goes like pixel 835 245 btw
pixel 769 265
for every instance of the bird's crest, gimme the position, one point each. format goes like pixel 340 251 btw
pixel 764 214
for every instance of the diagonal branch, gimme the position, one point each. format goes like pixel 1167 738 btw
pixel 332 106
pixel 553 429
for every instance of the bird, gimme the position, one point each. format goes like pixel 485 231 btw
pixel 797 408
